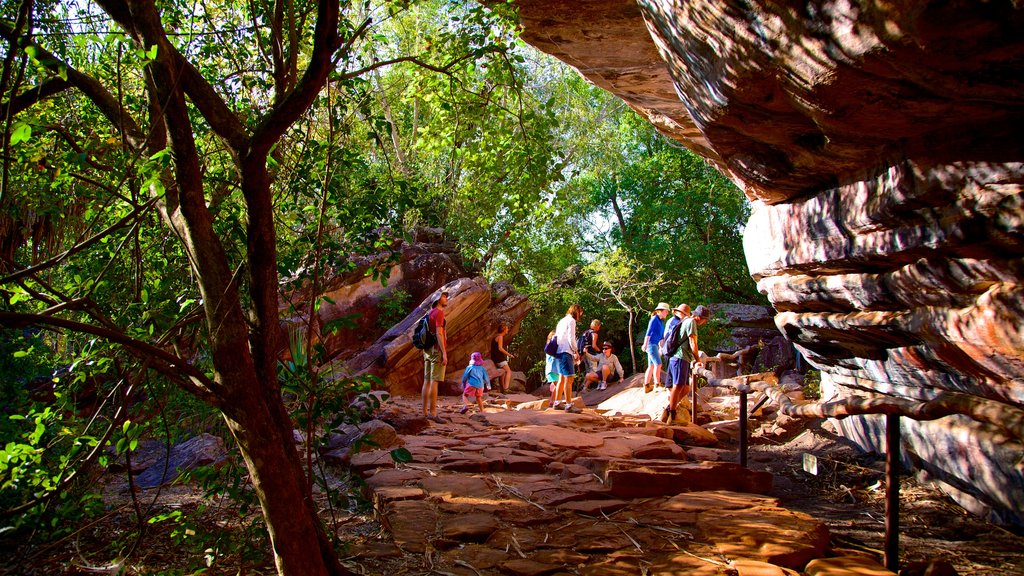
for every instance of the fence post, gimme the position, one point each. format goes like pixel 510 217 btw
pixel 892 492
pixel 743 428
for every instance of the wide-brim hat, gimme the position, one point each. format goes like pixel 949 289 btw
pixel 702 312
pixel 663 306
pixel 680 308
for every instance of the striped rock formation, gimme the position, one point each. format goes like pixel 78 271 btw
pixel 879 144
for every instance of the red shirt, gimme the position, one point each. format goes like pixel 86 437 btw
pixel 436 318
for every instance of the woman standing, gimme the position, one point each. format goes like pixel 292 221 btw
pixel 500 356
pixel 652 343
pixel 567 357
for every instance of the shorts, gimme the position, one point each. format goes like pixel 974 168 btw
pixel 472 391
pixel 502 364
pixel 433 370
pixel 653 355
pixel 679 372
pixel 564 364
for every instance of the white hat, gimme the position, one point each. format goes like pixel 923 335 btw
pixel 663 306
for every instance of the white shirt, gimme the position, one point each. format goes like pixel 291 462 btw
pixel 565 333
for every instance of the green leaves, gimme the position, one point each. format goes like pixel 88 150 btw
pixel 21 132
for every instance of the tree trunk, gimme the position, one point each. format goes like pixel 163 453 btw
pixel 299 543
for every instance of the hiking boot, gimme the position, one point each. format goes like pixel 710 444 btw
pixel 437 419
pixel 464 410
pixel 665 414
pixel 561 406
pixel 573 409
pixel 648 388
pixel 672 416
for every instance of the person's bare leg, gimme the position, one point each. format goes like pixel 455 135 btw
pixel 568 389
pixel 480 403
pixel 426 397
pixel 433 398
pixel 507 379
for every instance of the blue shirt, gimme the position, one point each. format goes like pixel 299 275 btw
pixel 669 326
pixel 655 330
pixel 475 376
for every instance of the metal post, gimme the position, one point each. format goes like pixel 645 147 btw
pixel 693 397
pixel 743 429
pixel 892 492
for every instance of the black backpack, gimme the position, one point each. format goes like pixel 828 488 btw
pixel 672 342
pixel 422 337
pixel 585 342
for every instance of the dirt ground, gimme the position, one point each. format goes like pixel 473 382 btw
pixel 847 494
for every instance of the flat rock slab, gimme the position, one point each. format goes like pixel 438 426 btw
pixel 846 566
pixel 470 527
pixel 551 437
pixel 644 478
pixel 515 492
pixel 775 535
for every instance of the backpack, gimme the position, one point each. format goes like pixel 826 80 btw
pixel 585 342
pixel 581 343
pixel 671 344
pixel 422 337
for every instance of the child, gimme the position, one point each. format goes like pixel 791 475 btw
pixel 550 373
pixel 473 381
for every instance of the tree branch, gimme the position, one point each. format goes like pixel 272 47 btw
pixel 325 42
pixel 166 363
pixel 210 104
pixel 33 95
pixel 88 85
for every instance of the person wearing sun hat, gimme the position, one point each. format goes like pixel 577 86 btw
pixel 473 380
pixel 678 313
pixel 608 371
pixel 684 360
pixel 652 345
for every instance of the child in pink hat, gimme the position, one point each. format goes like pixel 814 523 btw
pixel 473 381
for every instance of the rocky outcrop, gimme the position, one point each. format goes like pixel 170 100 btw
pixel 521 491
pixel 352 301
pixel 877 142
pixel 475 310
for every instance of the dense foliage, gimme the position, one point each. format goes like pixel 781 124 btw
pixel 140 217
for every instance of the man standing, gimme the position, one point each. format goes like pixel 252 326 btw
pixel 435 358
pixel 679 366
pixel 678 313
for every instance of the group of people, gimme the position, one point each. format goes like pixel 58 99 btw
pixel 475 380
pixel 682 360
pixel 597 363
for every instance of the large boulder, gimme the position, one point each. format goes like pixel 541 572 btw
pixel 877 143
pixel 475 310
pixel 353 297
pixel 420 269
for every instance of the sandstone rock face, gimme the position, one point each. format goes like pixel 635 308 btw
pixel 878 144
pixel 475 309
pixel 421 270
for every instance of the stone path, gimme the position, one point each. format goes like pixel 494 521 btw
pixel 526 490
